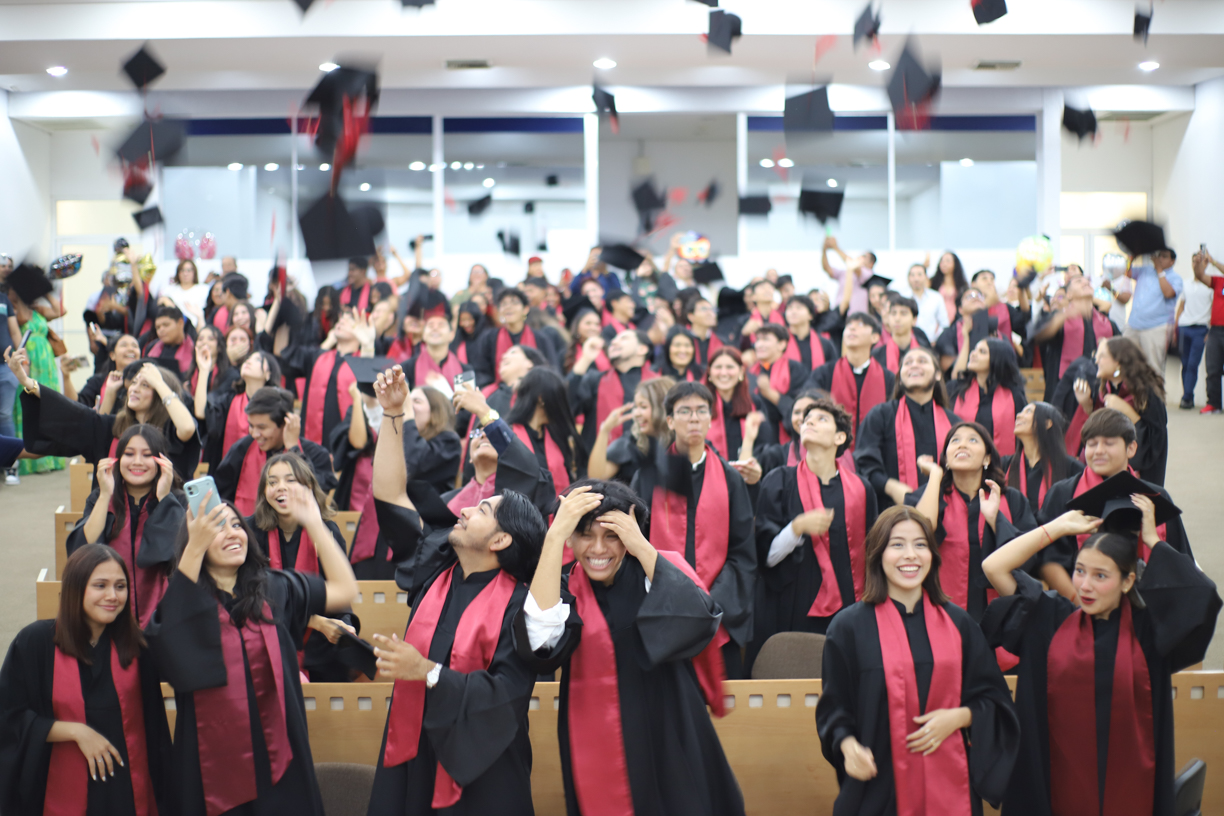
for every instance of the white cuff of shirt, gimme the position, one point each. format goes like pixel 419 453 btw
pixel 544 626
pixel 784 544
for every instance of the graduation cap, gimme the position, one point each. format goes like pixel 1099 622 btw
pixel 621 256
pixel 64 267
pixel 1111 501
pixel 724 27
pixel 136 186
pixel 731 303
pixel 344 83
pixel 478 206
pixel 755 205
pixel 808 112
pixel 987 11
pixel 710 3
pixel 646 200
pixel 605 102
pixel 417 3
pixel 331 231
pixel 1080 122
pixel 1143 24
pixel 143 68
pixel 707 272
pixel 366 370
pixel 510 243
pixel 160 138
pixel 29 282
pixel 148 218
pixel 710 193
pixel 877 280
pixel 356 654
pixel 574 306
pixel 1141 238
pixel 529 208
pixel 867 27
pixel 911 86
pixel 821 204
pixel 369 220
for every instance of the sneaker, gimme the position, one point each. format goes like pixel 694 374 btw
pixel 11 478
pixel 1210 409
pixel 1186 405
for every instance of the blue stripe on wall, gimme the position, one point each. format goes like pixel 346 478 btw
pixel 513 125
pixel 773 124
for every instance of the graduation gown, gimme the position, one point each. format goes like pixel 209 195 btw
pixel 27 714
pixel 854 702
pixel 985 411
pixel 876 452
pixel 584 398
pixel 624 453
pixel 299 363
pixel 54 425
pixel 804 347
pixel 230 469
pixel 1030 484
pixel 484 359
pixel 216 419
pixel 822 380
pixel 1173 632
pixel 675 762
pixel 431 460
pixel 474 723
pixel 1151 457
pixel 184 637
pixel 1052 349
pixel 786 401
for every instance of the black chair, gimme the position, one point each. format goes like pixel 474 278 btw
pixel 345 787
pixel 1188 789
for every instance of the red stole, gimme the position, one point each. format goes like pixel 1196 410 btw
pixel 1002 313
pixel 609 320
pixel 320 379
pixel 1073 337
pixel 504 342
pixel 462 352
pixel 184 355
pixel 892 352
pixel 954 550
pixel 844 390
pixel 1045 479
pixel 472 494
pixel 717 436
pixel 361 497
pixel 67 777
pixel 597 741
pixel 475 643
pixel 236 425
pixel 149 585
pixel 426 365
pixel 246 494
pixel 829 600
pixel 400 350
pixel 363 299
pixel 307 557
pixel 221 318
pixel 779 374
pixel 1002 414
pixel 713 344
pixel 813 341
pixel 774 317
pixel 611 395
pixel 552 452
pixel 907 454
pixel 1130 771
pixel 223 721
pixel 935 785
pixel 669 520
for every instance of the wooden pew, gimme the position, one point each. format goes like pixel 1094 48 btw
pixel 46 596
pixel 347 520
pixel 80 484
pixel 1034 384
pixel 383 609
pixel 65 520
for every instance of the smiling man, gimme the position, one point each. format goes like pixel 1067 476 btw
pixel 635 633
pixel 595 393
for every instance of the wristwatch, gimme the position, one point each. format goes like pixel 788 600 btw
pixel 435 673
pixel 492 416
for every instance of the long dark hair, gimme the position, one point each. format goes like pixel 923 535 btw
pixel 221 361
pixel 274 370
pixel 158 416
pixel 1051 445
pixel 666 366
pixel 111 344
pixel 324 317
pixel 251 586
pixel 265 517
pixel 543 386
pixel 575 344
pixel 940 394
pixel 1004 370
pixel 741 400
pixel 958 274
pixel 158 446
pixel 992 471
pixel 1142 381
pixel 478 327
pixel 875 589
pixel 71 627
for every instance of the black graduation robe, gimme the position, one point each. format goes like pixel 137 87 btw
pixel 184 637
pixel 1034 476
pixel 854 702
pixel 298 363
pixel 26 717
pixel 985 411
pixel 482 352
pixel 676 765
pixel 787 591
pixel 54 425
pixel 766 436
pixel 822 380
pixel 475 724
pixel 216 415
pixel 1051 350
pixel 228 472
pixel 1173 631
pixel 786 402
pixel 805 351
pixel 624 453
pixel 584 398
pixel 431 460
pixel 875 453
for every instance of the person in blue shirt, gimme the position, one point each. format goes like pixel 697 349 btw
pixel 1157 288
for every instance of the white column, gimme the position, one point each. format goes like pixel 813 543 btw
pixel 293 188
pixel 590 164
pixel 1049 166
pixel 892 180
pixel 439 188
pixel 741 180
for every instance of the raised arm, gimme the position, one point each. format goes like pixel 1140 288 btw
pixel 1052 326
pixel 184 422
pixel 340 583
pixel 358 434
pixel 598 466
pixel 1014 554
pixel 204 365
pixel 390 468
pixel 95 525
pixel 928 505
pixel 546 585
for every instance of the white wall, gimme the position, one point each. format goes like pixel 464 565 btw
pixel 25 167
pixel 1118 161
pixel 1188 163
pixel 988 204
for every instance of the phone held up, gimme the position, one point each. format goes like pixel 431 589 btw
pixel 196 490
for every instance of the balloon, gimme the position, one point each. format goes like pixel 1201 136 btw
pixel 1034 254
pixel 182 248
pixel 208 246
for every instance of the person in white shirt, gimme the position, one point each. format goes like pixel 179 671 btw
pixel 188 294
pixel 932 312
pixel 1193 321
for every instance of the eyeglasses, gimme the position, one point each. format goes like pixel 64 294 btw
pixel 688 413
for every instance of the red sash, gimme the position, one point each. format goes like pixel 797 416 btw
pixel 1130 771
pixel 462 352
pixel 774 317
pixel 236 425
pixel 609 320
pixel 475 643
pixel 718 430
pixel 892 352
pixel 1002 414
pixel 844 390
pixel 307 557
pixel 1073 337
pixel 317 393
pixel 361 497
pixel 1002 313
pixel 813 341
pixel 184 355
pixel 148 585
pixel 221 318
pixel 935 785
pixel 401 350
pixel 828 600
pixel 67 791
pixel 669 520
pixel 426 365
pixel 954 550
pixel 552 452
pixel 611 395
pixel 597 741
pixel 779 374
pixel 1045 478
pixel 713 344
pixel 907 454
pixel 504 342
pixel 1088 480
pixel 246 494
pixel 363 299
pixel 223 720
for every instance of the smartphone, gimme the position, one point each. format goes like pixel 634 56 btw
pixel 25 339
pixel 196 489
pixel 465 379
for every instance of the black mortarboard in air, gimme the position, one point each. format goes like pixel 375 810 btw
pixel 369 219
pixel 911 84
pixel 877 280
pixel 346 82
pixel 646 200
pixel 417 3
pixel 148 218
pixel 987 11
pixel 304 5
pixel 724 27
pixel 710 193
pixel 755 205
pixel 707 272
pixel 29 282
pixel 137 188
pixel 731 303
pixel 710 3
pixel 161 138
pixel 621 256
pixel 605 102
pixel 1141 238
pixel 867 27
pixel 1143 24
pixel 143 68
pixel 331 231
pixel 821 204
pixel 1080 122
pixel 356 654
pixel 1111 501
pixel 510 242
pixel 366 370
pixel 478 206
pixel 808 112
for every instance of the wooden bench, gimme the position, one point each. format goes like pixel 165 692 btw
pixel 65 520
pixel 80 484
pixel 1034 384
pixel 347 520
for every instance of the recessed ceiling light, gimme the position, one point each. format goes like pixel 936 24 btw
pixel 785 163
pixel 767 163
pixel 57 70
pixel 456 165
pixel 433 168
pixel 1149 65
pixel 365 187
pixel 469 165
pixel 878 65
pixel 480 167
pixel 831 182
pixel 417 166
pixel 604 64
pixel 324 167
pixel 270 166
pixel 301 167
pixel 234 165
pixel 489 182
pixel 966 162
pixel 328 67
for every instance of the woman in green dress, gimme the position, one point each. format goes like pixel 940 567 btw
pixel 42 369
